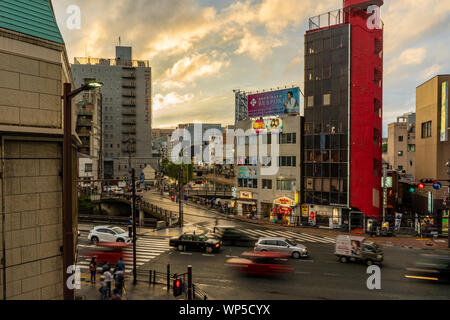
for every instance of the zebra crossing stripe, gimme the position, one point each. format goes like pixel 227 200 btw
pixel 315 238
pixel 258 233
pixel 251 232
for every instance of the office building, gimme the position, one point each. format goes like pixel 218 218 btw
pixel 343 116
pixel 33 68
pixel 127 109
pixel 402 144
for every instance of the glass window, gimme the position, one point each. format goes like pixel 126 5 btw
pixel 267 184
pixel 310 100
pixel 327 99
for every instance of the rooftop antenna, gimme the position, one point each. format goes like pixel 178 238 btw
pixel 119 41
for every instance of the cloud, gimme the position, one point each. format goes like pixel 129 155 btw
pixel 431 71
pixel 409 57
pixel 295 62
pixel 190 68
pixel 161 102
pixel 257 47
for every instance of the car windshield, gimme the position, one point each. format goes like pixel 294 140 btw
pixel 118 230
pixel 202 238
pixel 291 243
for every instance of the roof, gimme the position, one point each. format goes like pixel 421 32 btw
pixel 31 17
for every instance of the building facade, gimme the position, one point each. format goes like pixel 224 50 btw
pixel 402 144
pixel 343 116
pixel 33 68
pixel 127 109
pixel 268 195
pixel 432 146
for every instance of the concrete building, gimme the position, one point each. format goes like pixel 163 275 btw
pixel 241 105
pixel 89 129
pixel 33 68
pixel 127 109
pixel 402 144
pixel 432 145
pixel 343 116
pixel 273 197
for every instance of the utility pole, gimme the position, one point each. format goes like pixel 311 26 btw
pixel 180 194
pixel 447 164
pixel 384 191
pixel 133 177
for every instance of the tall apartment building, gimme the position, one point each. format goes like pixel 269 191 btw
pixel 432 144
pixel 89 130
pixel 343 115
pixel 273 197
pixel 127 109
pixel 241 105
pixel 33 68
pixel 402 144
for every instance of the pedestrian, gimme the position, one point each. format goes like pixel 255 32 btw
pixel 103 287
pixel 116 295
pixel 121 265
pixel 119 282
pixel 108 278
pixel 93 269
pixel 105 267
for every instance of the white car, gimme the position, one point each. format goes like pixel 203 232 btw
pixel 108 234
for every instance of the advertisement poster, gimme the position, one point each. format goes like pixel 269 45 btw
pixel 445 221
pixel 248 172
pixel 398 221
pixel 274 103
pixel 267 125
pixel 305 210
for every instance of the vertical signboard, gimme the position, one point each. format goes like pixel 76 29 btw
pixel 444 112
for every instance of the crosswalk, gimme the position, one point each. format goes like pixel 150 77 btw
pixel 297 236
pixel 146 250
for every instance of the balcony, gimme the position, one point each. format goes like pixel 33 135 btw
pixel 112 62
pixel 129 113
pixel 129 95
pixel 129 123
pixel 129 132
pixel 327 20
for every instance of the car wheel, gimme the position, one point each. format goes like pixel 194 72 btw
pixel 296 255
pixel 369 262
pixel 209 250
pixel 120 240
pixel 343 259
pixel 94 239
pixel 180 247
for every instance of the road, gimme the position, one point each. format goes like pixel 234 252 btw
pixel 320 276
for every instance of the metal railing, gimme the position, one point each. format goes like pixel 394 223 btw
pixel 148 222
pixel 112 62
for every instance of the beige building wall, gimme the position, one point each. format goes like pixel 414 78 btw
pixel 431 153
pixel 32 72
pixel 399 155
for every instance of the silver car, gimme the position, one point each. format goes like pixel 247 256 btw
pixel 282 245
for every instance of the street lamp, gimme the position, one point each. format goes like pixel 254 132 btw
pixel 68 241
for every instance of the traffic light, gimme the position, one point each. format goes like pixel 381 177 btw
pixel 421 186
pixel 177 288
pixel 412 189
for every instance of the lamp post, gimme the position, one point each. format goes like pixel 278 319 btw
pixel 68 241
pixel 131 143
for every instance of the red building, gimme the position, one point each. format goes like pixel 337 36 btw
pixel 343 114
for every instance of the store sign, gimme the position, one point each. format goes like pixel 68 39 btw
pixel 248 172
pixel 285 211
pixel 430 202
pixel 445 216
pixel 284 201
pixel 305 210
pixel 312 217
pixel 386 182
pixel 267 125
pixel 234 192
pixel 444 112
pixel 246 195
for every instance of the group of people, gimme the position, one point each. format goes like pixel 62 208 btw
pixel 106 278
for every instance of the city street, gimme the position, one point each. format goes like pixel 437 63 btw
pixel 320 276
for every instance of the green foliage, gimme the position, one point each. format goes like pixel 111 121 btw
pixel 171 170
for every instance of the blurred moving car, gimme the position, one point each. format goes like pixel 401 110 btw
pixel 230 236
pixel 262 263
pixel 119 191
pixel 140 192
pixel 358 248
pixel 108 234
pixel 189 241
pixel 283 245
pixel 430 267
pixel 108 252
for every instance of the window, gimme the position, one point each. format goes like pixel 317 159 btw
pixel 267 139
pixel 400 153
pixel 267 184
pixel 400 168
pixel 400 138
pixel 310 101
pixel 327 99
pixel 285 185
pixel 288 138
pixel 426 130
pixel 286 161
pixel 411 148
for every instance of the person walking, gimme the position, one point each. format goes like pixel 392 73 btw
pixel 93 269
pixel 121 265
pixel 119 282
pixel 103 287
pixel 116 295
pixel 108 278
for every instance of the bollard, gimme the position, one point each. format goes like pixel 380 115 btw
pixel 149 277
pixel 154 277
pixel 168 277
pixel 189 272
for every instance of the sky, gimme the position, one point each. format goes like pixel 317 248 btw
pixel 201 50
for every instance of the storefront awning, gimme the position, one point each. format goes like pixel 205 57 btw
pixel 246 202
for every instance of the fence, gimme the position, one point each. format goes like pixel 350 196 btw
pixel 154 277
pixel 148 222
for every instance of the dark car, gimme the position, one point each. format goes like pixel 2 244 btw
pixel 230 236
pixel 190 241
pixel 430 267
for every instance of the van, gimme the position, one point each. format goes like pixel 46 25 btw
pixel 358 248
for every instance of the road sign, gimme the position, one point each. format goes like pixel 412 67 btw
pixel 142 177
pixel 437 185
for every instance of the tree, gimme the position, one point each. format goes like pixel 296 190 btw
pixel 171 170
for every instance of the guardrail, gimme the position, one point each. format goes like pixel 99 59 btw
pixel 148 222
pixel 206 193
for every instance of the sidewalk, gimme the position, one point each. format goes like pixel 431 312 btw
pixel 141 291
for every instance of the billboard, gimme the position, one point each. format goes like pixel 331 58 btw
pixel 248 172
pixel 274 103
pixel 267 125
pixel 444 112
